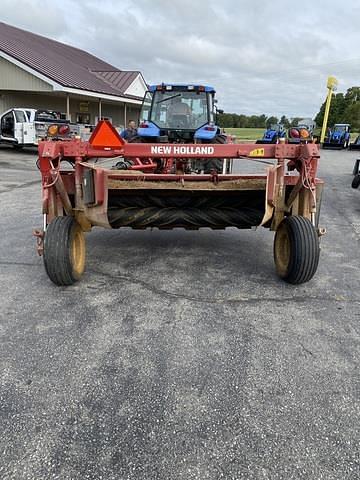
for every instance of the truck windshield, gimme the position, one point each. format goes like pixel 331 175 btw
pixel 179 110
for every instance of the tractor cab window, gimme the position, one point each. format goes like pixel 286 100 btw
pixel 341 128
pixel 179 109
pixel 146 106
pixel 211 107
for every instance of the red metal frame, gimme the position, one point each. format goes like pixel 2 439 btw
pixel 142 155
pixel 295 164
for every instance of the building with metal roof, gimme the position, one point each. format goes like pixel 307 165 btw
pixel 38 72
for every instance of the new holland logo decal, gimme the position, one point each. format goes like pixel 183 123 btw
pixel 182 150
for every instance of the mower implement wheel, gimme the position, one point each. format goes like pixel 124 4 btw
pixel 64 251
pixel 356 181
pixel 296 250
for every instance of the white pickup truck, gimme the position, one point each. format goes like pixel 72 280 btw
pixel 25 127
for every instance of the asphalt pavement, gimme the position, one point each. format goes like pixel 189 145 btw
pixel 180 355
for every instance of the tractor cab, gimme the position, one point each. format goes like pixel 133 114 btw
pixel 338 136
pixel 340 130
pixel 273 133
pixel 342 127
pixel 178 113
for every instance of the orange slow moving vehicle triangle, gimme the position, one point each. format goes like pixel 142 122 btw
pixel 105 136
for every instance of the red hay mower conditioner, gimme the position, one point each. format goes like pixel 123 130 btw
pixel 161 185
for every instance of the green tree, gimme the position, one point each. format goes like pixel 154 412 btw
pixel 336 113
pixel 284 121
pixel 271 121
pixel 295 121
pixel 352 116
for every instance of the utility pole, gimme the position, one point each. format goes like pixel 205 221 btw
pixel 331 86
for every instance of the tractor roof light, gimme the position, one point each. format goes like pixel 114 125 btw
pixel 168 87
pixel 191 87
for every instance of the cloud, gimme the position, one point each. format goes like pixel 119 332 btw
pixel 262 57
pixel 36 16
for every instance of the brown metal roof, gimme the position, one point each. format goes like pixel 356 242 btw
pixel 66 65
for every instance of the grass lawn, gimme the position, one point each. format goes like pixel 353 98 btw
pixel 246 133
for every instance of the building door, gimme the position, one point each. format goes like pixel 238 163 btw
pixel 8 125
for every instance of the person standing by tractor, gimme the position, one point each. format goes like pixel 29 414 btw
pixel 130 132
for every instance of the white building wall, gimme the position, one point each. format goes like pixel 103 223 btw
pixel 137 88
pixel 13 77
pixel 58 103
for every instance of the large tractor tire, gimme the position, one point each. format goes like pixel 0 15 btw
pixel 215 163
pixel 64 251
pixel 296 250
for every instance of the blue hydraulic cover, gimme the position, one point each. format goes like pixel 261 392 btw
pixel 206 132
pixel 150 130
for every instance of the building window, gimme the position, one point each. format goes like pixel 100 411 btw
pixel 83 118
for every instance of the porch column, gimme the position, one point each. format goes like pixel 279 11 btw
pixel 100 105
pixel 67 106
pixel 125 115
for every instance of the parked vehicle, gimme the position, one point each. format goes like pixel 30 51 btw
pixel 25 127
pixel 338 136
pixel 356 144
pixel 181 113
pixel 273 134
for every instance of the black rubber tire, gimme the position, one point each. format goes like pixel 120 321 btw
pixel 296 250
pixel 59 246
pixel 356 181
pixel 356 168
pixel 215 163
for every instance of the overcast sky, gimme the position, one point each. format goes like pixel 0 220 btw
pixel 262 56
